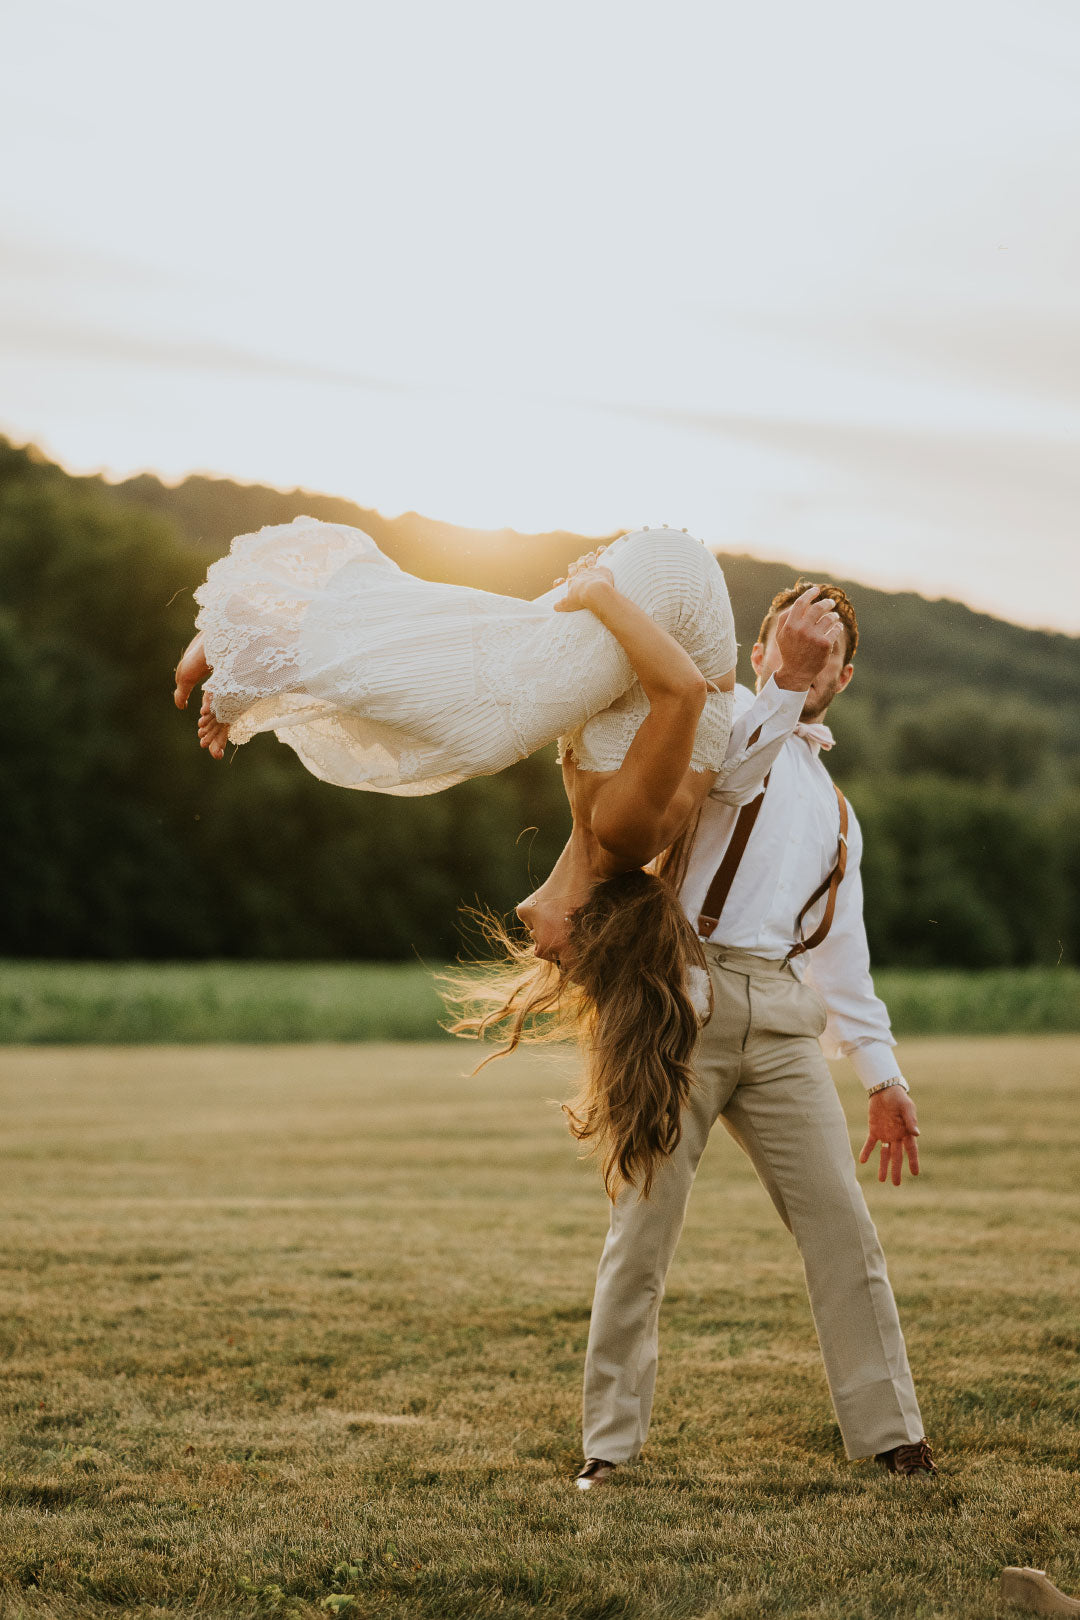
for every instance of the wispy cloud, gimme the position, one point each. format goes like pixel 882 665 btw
pixel 1013 349
pixel 996 476
pixel 116 348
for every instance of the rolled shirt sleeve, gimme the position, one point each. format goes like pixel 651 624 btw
pixel 839 968
pixel 762 726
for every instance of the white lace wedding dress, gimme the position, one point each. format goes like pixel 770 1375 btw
pixel 383 681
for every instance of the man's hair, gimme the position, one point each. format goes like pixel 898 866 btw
pixel 784 599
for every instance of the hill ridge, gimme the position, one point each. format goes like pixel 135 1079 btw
pixel 411 530
pixel 912 646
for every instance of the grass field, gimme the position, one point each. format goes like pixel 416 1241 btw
pixel 339 1001
pixel 298 1331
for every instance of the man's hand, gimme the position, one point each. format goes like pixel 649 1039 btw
pixel 893 1123
pixel 805 635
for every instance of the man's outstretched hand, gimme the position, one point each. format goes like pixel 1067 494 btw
pixel 894 1124
pixel 805 634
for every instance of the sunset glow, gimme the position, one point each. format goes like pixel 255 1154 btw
pixel 804 280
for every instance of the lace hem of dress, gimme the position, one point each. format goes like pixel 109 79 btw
pixel 252 605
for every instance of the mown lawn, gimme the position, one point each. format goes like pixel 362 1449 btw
pixel 139 1002
pixel 299 1330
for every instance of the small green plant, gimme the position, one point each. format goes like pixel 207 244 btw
pixel 270 1597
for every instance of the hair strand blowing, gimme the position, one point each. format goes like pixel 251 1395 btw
pixel 622 992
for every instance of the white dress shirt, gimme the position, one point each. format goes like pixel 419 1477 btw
pixel 792 850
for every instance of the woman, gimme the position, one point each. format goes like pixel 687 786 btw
pixel 382 681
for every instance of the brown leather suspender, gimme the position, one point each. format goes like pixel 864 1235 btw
pixel 724 877
pixel 830 886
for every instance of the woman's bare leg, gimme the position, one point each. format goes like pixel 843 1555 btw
pixel 191 669
pixel 213 733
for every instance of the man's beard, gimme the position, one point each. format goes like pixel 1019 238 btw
pixel 818 704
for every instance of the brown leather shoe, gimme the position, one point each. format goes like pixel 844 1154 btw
pixel 916 1458
pixel 595 1472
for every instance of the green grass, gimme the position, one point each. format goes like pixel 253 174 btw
pixel 288 1328
pixel 998 1001
pixel 121 1002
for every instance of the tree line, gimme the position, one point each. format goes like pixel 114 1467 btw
pixel 959 743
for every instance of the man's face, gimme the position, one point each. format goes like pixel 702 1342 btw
pixel 831 679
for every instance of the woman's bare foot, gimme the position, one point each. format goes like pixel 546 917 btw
pixel 213 733
pixel 191 669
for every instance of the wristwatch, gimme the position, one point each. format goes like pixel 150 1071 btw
pixel 884 1085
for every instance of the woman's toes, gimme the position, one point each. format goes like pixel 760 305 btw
pixel 191 669
pixel 213 735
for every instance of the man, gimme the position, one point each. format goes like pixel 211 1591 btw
pixel 774 835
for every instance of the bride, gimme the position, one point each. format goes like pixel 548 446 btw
pixel 382 681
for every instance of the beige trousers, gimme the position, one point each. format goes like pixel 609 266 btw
pixel 759 1067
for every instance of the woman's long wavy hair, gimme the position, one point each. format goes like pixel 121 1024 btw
pixel 622 991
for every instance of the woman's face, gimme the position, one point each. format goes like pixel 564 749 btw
pixel 548 924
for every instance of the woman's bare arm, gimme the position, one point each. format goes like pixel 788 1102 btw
pixel 650 798
pixel 653 795
pixel 664 668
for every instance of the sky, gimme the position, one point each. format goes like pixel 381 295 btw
pixel 803 279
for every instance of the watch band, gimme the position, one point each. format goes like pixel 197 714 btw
pixel 884 1085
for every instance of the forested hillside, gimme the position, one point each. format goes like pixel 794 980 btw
pixel 959 741
pixel 913 650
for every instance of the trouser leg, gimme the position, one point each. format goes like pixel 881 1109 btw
pixel 620 1362
pixel 786 1115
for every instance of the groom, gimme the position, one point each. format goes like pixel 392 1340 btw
pixel 772 886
